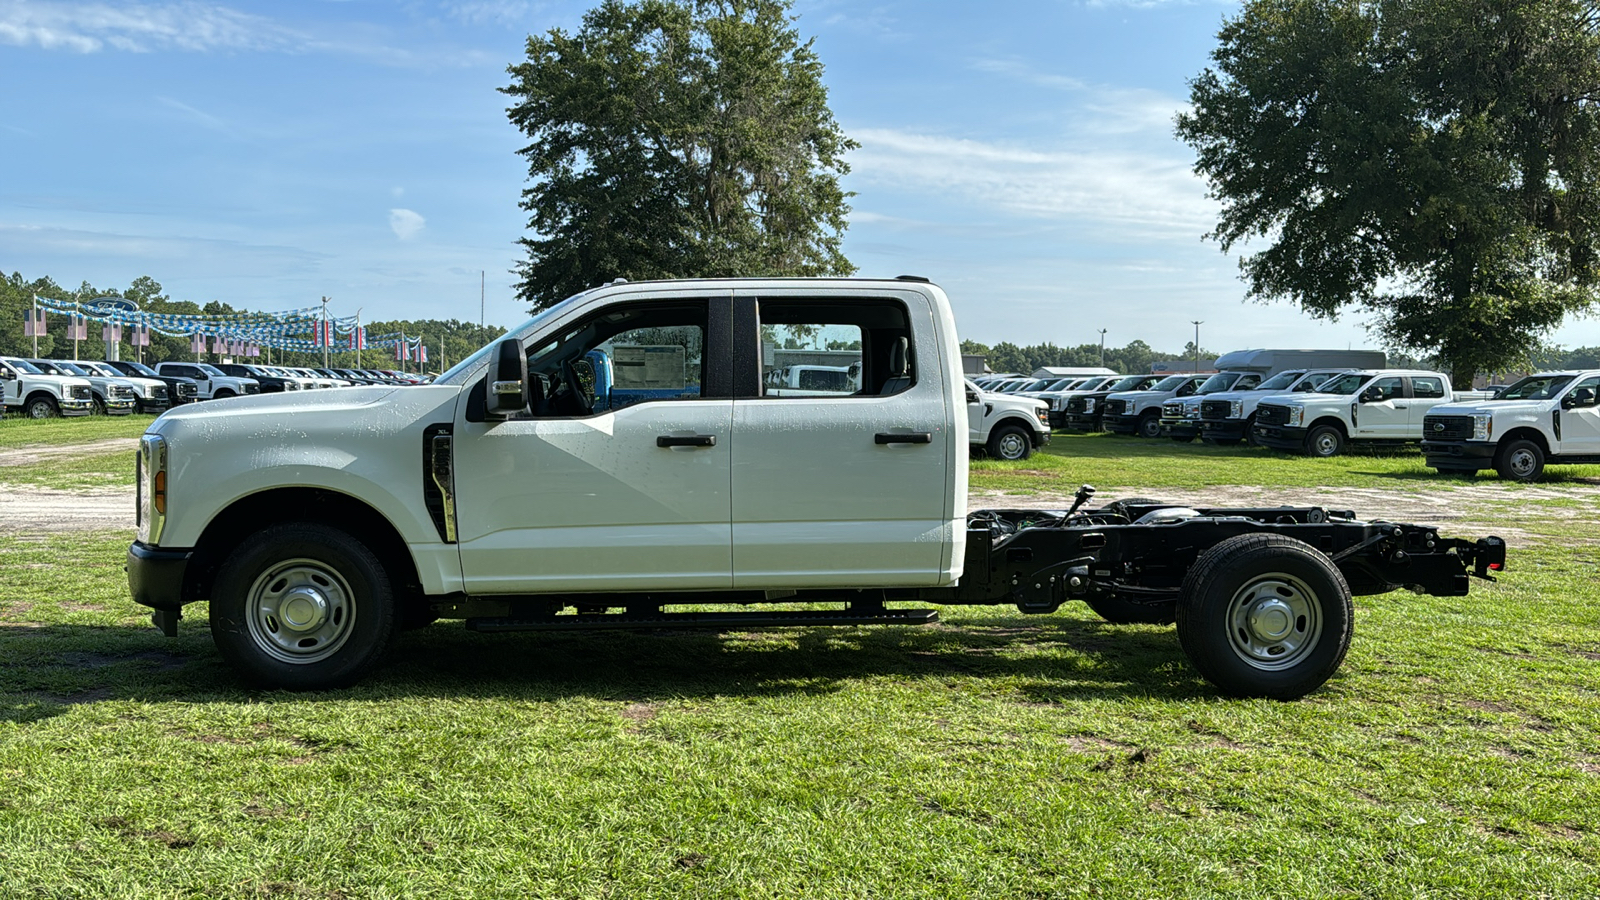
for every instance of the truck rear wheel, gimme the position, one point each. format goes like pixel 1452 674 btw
pixel 1010 442
pixel 302 606
pixel 1149 426
pixel 1325 441
pixel 1264 615
pixel 1521 460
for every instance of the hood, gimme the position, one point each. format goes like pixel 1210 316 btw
pixel 1140 395
pixel 1492 407
pixel 985 396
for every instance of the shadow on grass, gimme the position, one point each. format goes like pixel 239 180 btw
pixel 47 669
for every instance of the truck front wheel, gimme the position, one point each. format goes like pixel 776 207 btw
pixel 1010 442
pixel 1325 441
pixel 42 408
pixel 302 606
pixel 1263 615
pixel 1521 460
pixel 1149 426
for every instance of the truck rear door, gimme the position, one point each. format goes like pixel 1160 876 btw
pixel 848 485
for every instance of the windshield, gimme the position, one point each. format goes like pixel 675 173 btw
pixel 1314 381
pixel 210 369
pixel 1170 383
pixel 141 369
pixel 27 368
pixel 1345 384
pixel 1535 387
pixel 1280 381
pixel 1218 383
pixel 1132 383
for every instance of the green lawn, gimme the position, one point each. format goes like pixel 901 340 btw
pixel 16 431
pixel 1457 753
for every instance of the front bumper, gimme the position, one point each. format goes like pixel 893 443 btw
pixel 1121 424
pixel 71 407
pixel 1222 429
pixel 1459 455
pixel 1280 437
pixel 120 407
pixel 155 406
pixel 1180 429
pixel 1083 422
pixel 155 578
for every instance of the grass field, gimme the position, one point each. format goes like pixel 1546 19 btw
pixel 1457 753
pixel 16 431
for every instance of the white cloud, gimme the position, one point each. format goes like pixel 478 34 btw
pixel 406 224
pixel 1127 193
pixel 135 27
pixel 492 12
pixel 1103 109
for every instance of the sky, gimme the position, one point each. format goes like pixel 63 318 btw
pixel 268 154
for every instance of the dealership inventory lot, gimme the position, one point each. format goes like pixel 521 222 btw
pixel 994 754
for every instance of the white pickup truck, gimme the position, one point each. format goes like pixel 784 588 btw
pixel 1381 407
pixel 1551 417
pixel 211 383
pixel 513 494
pixel 1006 426
pixel 37 395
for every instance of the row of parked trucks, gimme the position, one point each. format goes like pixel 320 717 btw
pixel 1321 402
pixel 46 388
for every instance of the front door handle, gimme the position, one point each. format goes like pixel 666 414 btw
pixel 686 440
pixel 904 437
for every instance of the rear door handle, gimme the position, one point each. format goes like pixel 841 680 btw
pixel 904 437
pixel 686 440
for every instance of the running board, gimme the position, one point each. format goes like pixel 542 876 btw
pixel 716 620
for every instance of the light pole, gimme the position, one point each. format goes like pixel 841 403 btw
pixel 1196 323
pixel 1102 348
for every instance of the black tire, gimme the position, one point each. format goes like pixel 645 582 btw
pixel 1325 441
pixel 98 406
pixel 1149 426
pixel 42 408
pixel 330 581
pixel 223 394
pixel 1126 612
pixel 1263 615
pixel 1010 442
pixel 1520 460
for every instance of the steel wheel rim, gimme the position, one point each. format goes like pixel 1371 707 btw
pixel 300 611
pixel 1274 622
pixel 1150 430
pixel 1522 463
pixel 39 409
pixel 1327 444
pixel 1012 446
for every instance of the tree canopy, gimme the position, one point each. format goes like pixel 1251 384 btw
pixel 677 138
pixel 1434 162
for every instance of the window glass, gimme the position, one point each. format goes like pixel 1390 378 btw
pixel 1280 381
pixel 826 349
pixel 1427 388
pixel 1348 383
pixel 1171 383
pixel 621 357
pixel 1219 382
pixel 1388 389
pixel 1537 387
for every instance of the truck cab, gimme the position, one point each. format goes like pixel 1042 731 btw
pixel 1382 407
pixel 1139 412
pixel 1226 418
pixel 1551 417
pixel 1180 418
pixel 211 383
pixel 1082 412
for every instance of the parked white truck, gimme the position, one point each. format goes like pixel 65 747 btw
pixel 1386 406
pixel 1551 417
pixel 1006 426
pixel 1226 418
pixel 316 524
pixel 211 383
pixel 1139 412
pixel 37 395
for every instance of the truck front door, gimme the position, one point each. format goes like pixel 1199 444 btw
pixel 623 492
pixel 1381 410
pixel 1580 425
pixel 842 483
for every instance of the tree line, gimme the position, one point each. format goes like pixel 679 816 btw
pixel 16 297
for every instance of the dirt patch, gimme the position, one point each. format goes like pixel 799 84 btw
pixel 27 456
pixel 40 509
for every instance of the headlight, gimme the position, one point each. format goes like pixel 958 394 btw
pixel 1043 413
pixel 1235 409
pixel 1088 404
pixel 1297 416
pixel 1482 427
pixel 151 482
pixel 1191 411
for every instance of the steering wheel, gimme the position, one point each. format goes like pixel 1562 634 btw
pixel 579 376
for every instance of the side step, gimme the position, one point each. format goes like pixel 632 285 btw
pixel 715 620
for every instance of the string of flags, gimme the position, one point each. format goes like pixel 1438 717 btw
pixel 231 334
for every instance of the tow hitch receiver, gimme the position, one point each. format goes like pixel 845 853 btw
pixel 1488 555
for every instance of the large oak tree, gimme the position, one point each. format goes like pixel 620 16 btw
pixel 1432 161
pixel 677 138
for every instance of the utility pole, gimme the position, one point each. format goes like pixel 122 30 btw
pixel 35 328
pixel 355 336
pixel 327 332
pixel 1102 348
pixel 481 278
pixel 1196 323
